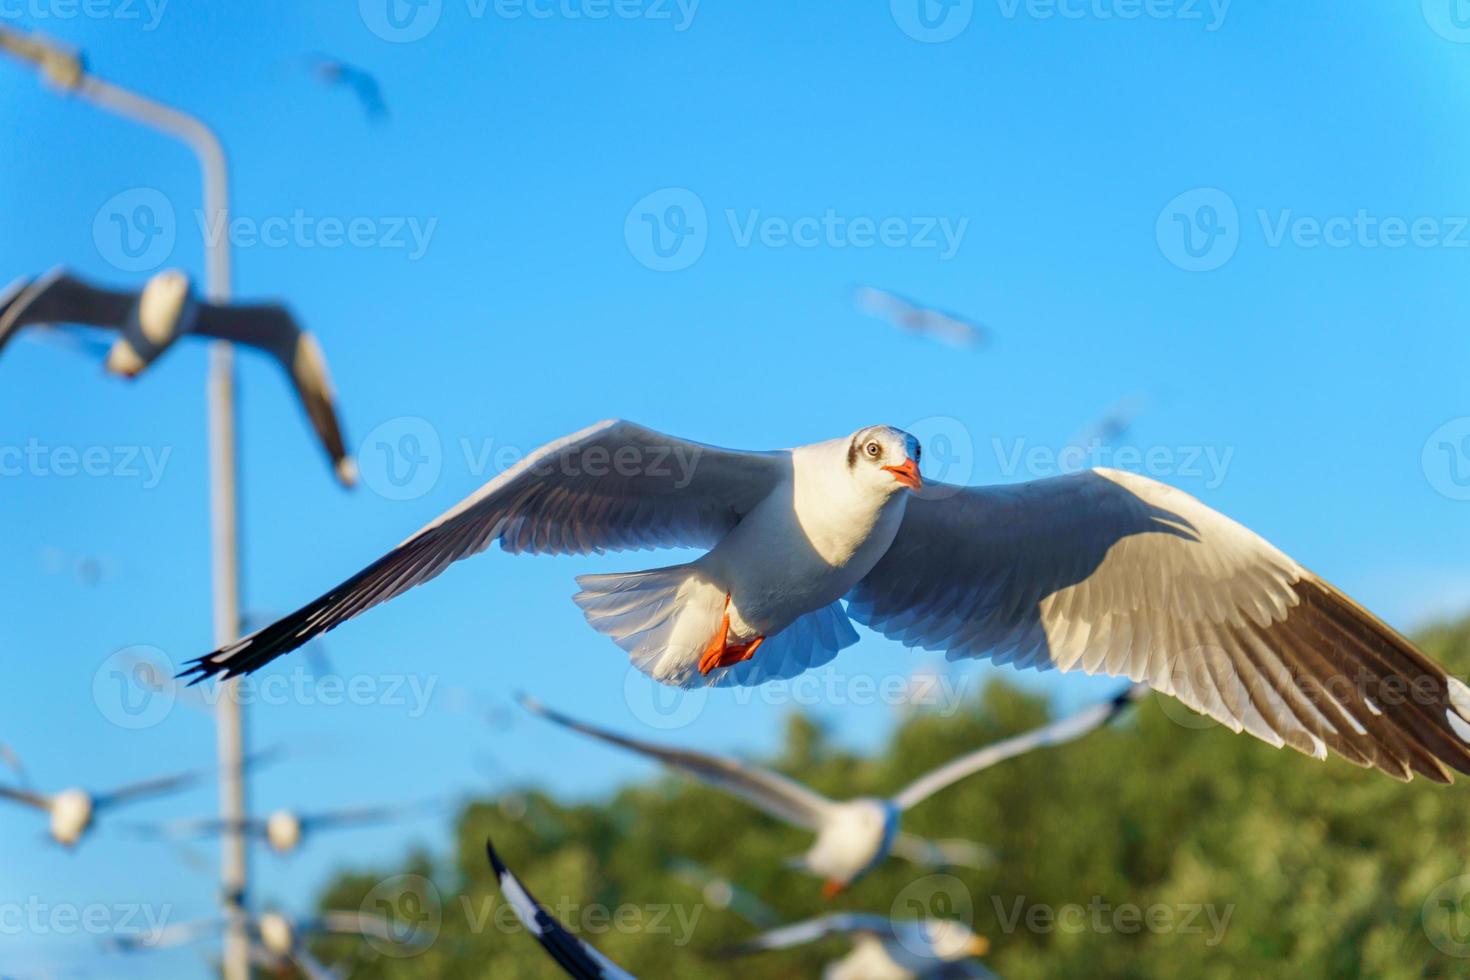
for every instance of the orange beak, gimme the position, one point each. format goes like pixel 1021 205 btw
pixel 831 889
pixel 907 474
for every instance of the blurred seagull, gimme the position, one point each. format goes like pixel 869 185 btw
pixel 931 949
pixel 361 83
pixel 920 320
pixel 853 836
pixel 576 958
pixel 1102 571
pixel 74 812
pixel 721 893
pixel 277 936
pixel 152 319
pixel 283 830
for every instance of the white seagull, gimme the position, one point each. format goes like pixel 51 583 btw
pixel 1102 571
pixel 576 958
pixel 150 320
pixel 883 949
pixel 274 937
pixel 921 320
pixel 283 830
pixel 73 812
pixel 853 836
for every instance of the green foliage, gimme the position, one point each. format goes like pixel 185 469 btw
pixel 1309 869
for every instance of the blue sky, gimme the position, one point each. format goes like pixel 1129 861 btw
pixel 1299 357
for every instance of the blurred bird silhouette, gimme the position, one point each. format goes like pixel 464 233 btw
pixel 884 949
pixel 283 830
pixel 854 836
pixel 150 320
pixel 361 83
pixel 949 328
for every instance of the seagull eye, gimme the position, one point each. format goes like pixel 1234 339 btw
pixel 873 449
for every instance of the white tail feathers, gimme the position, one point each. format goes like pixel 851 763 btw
pixel 665 618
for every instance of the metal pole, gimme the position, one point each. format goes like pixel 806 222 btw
pixel 66 70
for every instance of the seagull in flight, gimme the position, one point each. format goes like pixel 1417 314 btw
pixel 274 937
pixel 920 320
pixel 853 836
pixel 283 830
pixel 1100 571
pixel 150 320
pixel 73 812
pixel 361 83
pixel 576 958
pixel 884 949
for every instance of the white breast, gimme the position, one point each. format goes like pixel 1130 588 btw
pixel 804 546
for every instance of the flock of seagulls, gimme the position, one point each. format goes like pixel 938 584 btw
pixel 1100 572
pixel 853 836
pixel 150 320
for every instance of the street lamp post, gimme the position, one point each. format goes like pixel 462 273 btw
pixel 67 71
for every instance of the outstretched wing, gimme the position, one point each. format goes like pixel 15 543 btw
pixel 1065 730
pixel 1109 572
pixel 271 328
pixel 811 930
pixel 613 486
pixel 59 298
pixel 25 797
pixel 767 791
pixel 574 956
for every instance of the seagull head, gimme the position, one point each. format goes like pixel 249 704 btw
pixel 885 457
pixel 950 940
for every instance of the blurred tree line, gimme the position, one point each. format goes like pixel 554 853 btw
pixel 1164 846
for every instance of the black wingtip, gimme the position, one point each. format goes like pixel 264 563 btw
pixel 495 862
